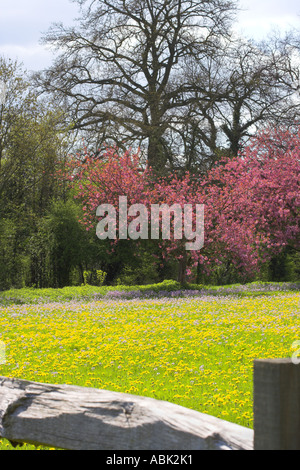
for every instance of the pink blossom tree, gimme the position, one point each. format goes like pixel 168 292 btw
pixel 254 199
pixel 103 180
pixel 251 201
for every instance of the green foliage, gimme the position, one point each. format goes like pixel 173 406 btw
pixel 32 141
pixel 101 276
pixel 139 272
pixel 94 277
pixel 86 277
pixel 60 244
pixel 14 259
pixel 284 267
pixel 30 295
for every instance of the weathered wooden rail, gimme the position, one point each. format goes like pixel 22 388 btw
pixel 79 418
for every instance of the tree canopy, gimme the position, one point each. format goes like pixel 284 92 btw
pixel 122 71
pixel 171 78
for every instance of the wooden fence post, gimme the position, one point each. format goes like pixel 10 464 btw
pixel 276 404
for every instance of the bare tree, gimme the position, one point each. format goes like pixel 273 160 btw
pixel 246 87
pixel 259 91
pixel 121 70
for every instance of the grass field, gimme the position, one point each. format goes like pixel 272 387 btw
pixel 195 349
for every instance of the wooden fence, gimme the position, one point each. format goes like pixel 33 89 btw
pixel 79 418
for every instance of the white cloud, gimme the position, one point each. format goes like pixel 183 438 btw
pixel 32 56
pixel 258 17
pixel 22 23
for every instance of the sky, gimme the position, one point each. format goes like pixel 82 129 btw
pixel 23 22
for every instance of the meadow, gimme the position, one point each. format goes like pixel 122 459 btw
pixel 194 347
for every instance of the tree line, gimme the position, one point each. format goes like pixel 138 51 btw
pixel 168 77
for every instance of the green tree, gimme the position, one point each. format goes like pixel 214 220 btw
pixel 32 141
pixel 60 245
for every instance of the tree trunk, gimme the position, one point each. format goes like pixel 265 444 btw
pixel 182 269
pixel 156 153
pixel 198 273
